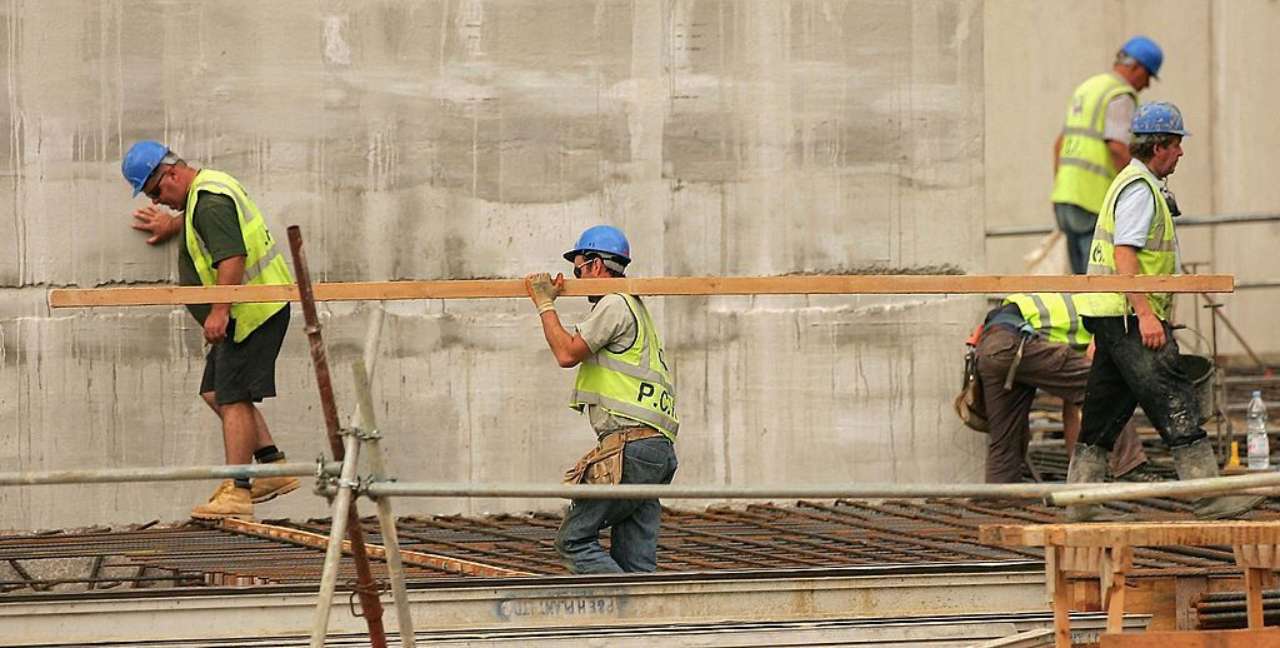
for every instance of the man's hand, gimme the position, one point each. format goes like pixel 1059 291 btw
pixel 543 290
pixel 156 222
pixel 1152 330
pixel 1093 347
pixel 215 325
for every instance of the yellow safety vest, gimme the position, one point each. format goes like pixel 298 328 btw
pixel 1055 315
pixel 1085 168
pixel 265 264
pixel 1158 257
pixel 634 384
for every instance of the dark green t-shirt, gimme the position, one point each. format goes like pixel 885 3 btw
pixel 218 225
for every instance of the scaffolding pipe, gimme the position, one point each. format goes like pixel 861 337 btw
pixel 370 436
pixel 342 505
pixel 1119 492
pixel 366 588
pixel 1182 221
pixel 648 491
pixel 157 474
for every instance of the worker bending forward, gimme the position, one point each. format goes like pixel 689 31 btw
pixel 1037 341
pixel 225 242
pixel 1137 359
pixel 626 391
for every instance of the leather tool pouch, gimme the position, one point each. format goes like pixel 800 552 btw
pixel 603 465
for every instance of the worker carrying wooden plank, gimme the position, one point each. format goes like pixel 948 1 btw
pixel 1137 359
pixel 1094 143
pixel 1037 341
pixel 225 242
pixel 624 386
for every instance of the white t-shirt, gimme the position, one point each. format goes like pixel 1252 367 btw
pixel 1135 207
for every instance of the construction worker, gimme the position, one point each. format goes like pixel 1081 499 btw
pixel 1094 142
pixel 226 242
pixel 626 391
pixel 1137 359
pixel 1036 341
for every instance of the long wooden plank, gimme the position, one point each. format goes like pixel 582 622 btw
pixel 417 558
pixel 786 285
pixel 1137 534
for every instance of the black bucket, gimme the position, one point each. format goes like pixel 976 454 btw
pixel 1203 376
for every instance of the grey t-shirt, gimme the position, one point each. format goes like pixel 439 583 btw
pixel 611 326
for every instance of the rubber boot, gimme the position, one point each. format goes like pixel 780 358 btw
pixel 1088 465
pixel 1197 461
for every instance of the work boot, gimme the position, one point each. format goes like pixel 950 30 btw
pixel 1197 461
pixel 226 503
pixel 268 488
pixel 225 484
pixel 1088 465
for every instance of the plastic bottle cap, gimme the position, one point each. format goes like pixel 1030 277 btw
pixel 1257 393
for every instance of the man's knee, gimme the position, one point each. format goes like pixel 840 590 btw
pixel 211 399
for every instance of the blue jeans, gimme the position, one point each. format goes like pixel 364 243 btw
pixel 634 546
pixel 1077 224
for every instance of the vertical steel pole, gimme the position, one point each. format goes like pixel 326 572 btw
pixel 333 551
pixel 365 588
pixel 386 520
pixel 372 340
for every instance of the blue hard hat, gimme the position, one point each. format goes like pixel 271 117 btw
pixel 1158 117
pixel 605 239
pixel 1145 51
pixel 141 160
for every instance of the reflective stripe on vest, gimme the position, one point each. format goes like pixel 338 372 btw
pixel 634 384
pixel 265 263
pixel 1055 315
pixel 1159 256
pixel 1085 168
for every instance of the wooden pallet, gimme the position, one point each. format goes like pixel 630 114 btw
pixel 1106 549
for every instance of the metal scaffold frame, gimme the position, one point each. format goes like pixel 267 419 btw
pixel 339 480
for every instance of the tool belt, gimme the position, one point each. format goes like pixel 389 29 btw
pixel 603 465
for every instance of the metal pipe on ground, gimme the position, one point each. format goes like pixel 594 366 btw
pixel 1182 488
pixel 643 491
pixel 183 473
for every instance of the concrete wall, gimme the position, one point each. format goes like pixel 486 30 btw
pixel 1219 69
pixel 471 138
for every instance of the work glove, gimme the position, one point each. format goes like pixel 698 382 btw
pixel 543 290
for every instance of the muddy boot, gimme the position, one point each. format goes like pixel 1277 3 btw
pixel 269 488
pixel 1088 464
pixel 1197 461
pixel 227 503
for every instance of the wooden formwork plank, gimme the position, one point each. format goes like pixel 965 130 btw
pixel 1204 639
pixel 417 558
pixel 786 285
pixel 1136 534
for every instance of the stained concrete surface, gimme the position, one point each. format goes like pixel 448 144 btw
pixel 438 140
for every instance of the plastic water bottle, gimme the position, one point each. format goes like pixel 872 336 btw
pixel 1259 448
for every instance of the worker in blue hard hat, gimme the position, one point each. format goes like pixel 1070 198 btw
pixel 1137 361
pixel 225 241
pixel 1094 143
pixel 625 388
